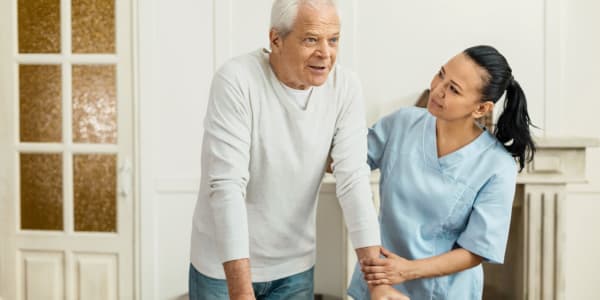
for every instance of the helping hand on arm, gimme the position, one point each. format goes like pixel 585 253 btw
pixel 394 269
pixel 379 292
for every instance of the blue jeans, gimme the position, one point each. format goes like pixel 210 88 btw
pixel 299 286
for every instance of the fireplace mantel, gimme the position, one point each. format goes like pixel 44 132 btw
pixel 558 162
pixel 534 267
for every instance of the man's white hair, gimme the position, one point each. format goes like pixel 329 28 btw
pixel 284 12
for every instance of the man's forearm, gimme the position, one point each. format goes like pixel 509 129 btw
pixel 239 281
pixel 368 252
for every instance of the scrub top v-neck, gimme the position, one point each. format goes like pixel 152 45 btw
pixel 431 205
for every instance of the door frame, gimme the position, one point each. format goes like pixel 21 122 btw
pixel 126 31
pixel 6 136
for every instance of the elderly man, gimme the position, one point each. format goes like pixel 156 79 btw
pixel 273 118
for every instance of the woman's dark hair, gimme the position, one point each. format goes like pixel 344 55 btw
pixel 512 129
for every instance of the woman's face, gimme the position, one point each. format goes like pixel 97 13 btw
pixel 455 91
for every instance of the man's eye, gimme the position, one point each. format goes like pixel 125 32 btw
pixel 334 40
pixel 310 40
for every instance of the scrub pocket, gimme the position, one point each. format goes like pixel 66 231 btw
pixel 457 218
pixel 457 211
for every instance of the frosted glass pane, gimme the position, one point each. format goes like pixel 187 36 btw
pixel 94 104
pixel 41 191
pixel 39 26
pixel 95 192
pixel 93 26
pixel 40 104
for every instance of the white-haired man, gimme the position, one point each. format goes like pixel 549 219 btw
pixel 274 116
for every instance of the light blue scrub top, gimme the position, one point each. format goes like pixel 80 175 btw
pixel 431 205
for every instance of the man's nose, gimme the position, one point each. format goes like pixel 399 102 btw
pixel 324 50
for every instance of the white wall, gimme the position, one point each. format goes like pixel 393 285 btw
pixel 400 45
pixel 395 46
pixel 175 66
pixel 580 103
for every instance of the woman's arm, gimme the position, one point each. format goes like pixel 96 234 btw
pixel 394 269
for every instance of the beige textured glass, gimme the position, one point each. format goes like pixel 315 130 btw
pixel 94 104
pixel 93 26
pixel 41 191
pixel 39 26
pixel 40 104
pixel 95 192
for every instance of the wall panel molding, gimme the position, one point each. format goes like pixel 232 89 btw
pixel 145 81
pixel 554 51
pixel 222 32
pixel 177 185
pixel 349 37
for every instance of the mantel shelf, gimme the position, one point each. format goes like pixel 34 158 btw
pixel 566 142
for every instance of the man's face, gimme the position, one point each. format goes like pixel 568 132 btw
pixel 307 54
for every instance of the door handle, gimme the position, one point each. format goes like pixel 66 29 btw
pixel 125 178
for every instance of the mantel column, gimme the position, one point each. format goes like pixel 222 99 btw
pixel 544 240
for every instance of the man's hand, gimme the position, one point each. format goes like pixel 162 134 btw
pixel 239 282
pixel 390 270
pixel 386 292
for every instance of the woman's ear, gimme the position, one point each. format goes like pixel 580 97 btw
pixel 482 109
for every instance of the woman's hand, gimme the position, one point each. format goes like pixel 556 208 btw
pixel 390 270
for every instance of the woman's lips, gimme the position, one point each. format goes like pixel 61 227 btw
pixel 436 103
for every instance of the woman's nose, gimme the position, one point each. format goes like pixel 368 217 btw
pixel 440 90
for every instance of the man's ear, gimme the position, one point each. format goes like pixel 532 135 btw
pixel 482 109
pixel 275 40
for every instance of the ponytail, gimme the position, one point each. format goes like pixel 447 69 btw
pixel 512 128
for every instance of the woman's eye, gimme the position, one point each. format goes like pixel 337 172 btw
pixel 440 75
pixel 453 89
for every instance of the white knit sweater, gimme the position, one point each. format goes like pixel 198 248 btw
pixel 263 159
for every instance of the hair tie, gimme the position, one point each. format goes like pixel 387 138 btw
pixel 510 82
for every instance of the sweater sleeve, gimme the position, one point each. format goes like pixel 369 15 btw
pixel 350 168
pixel 225 155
